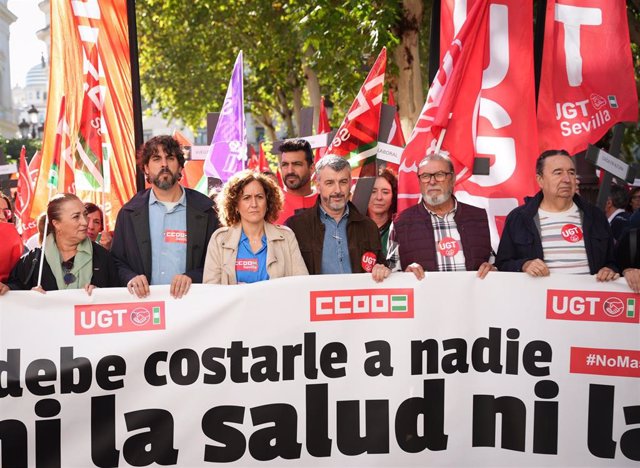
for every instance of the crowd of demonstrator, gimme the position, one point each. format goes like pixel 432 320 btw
pixel 169 234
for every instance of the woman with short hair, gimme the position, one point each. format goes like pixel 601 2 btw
pixel 250 248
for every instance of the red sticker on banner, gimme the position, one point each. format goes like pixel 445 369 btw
pixel 368 261
pixel 175 236
pixel 571 233
pixel 247 264
pixel 448 247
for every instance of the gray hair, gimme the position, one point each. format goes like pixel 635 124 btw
pixel 336 163
pixel 442 155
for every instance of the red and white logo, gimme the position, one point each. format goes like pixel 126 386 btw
pixel 175 236
pixel 91 319
pixel 247 264
pixel 597 101
pixel 592 306
pixel 571 233
pixel 368 261
pixel 448 247
pixel 356 304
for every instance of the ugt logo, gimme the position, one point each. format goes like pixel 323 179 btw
pixel 93 319
pixel 592 306
pixel 355 304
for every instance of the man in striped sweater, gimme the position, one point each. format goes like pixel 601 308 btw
pixel 557 231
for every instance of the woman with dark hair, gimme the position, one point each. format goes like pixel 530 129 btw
pixel 95 227
pixel 71 260
pixel 250 247
pixel 634 199
pixel 383 204
pixel 6 210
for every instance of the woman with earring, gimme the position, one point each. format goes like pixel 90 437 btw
pixel 71 260
pixel 250 247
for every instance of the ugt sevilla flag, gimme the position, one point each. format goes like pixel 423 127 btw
pixel 228 150
pixel 587 83
pixel 450 104
pixel 357 136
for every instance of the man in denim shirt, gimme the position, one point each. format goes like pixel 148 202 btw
pixel 162 233
pixel 333 236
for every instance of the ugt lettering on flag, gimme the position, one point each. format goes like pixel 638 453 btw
pixel 228 150
pixel 451 105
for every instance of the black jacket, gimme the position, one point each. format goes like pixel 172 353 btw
pixel 24 275
pixel 131 246
pixel 520 240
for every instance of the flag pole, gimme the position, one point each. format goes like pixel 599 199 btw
pixel 441 137
pixel 44 241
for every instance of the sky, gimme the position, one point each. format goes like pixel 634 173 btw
pixel 25 48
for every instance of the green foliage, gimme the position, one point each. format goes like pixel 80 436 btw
pixel 11 148
pixel 187 51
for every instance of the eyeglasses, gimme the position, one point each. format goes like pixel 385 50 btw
pixel 439 176
pixel 8 214
pixel 68 277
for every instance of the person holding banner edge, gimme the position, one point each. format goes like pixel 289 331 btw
pixel 161 234
pixel 71 260
pixel 250 248
pixel 557 231
pixel 439 233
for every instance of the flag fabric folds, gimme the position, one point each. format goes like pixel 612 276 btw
pixel 24 194
pixel 323 127
pixel 357 136
pixel 451 104
pixel 587 81
pixel 89 101
pixel 228 149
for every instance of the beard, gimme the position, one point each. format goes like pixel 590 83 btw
pixel 163 184
pixel 435 200
pixel 336 203
pixel 294 182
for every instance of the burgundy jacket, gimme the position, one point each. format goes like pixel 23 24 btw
pixel 414 233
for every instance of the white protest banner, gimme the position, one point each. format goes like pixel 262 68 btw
pixel 325 371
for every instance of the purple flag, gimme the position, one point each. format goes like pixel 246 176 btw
pixel 228 150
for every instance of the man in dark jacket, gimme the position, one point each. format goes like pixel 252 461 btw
pixel 557 231
pixel 161 234
pixel 333 236
pixel 440 233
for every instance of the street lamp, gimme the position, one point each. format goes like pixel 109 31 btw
pixel 33 117
pixel 24 129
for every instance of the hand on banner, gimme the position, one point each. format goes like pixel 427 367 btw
pixel 180 286
pixel 3 289
pixel 89 288
pixel 632 275
pixel 380 272
pixel 484 270
pixel 535 267
pixel 416 269
pixel 40 289
pixel 139 286
pixel 607 274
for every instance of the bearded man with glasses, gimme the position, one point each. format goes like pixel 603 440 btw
pixel 439 233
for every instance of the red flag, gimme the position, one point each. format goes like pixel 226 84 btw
pixel 450 104
pixel 279 177
pixel 263 163
pixel 587 83
pixel 357 137
pixel 27 226
pixel 61 160
pixel 504 130
pixel 396 137
pixel 253 162
pixel 89 162
pixel 323 127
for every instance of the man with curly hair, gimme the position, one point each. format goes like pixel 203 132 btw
pixel 162 233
